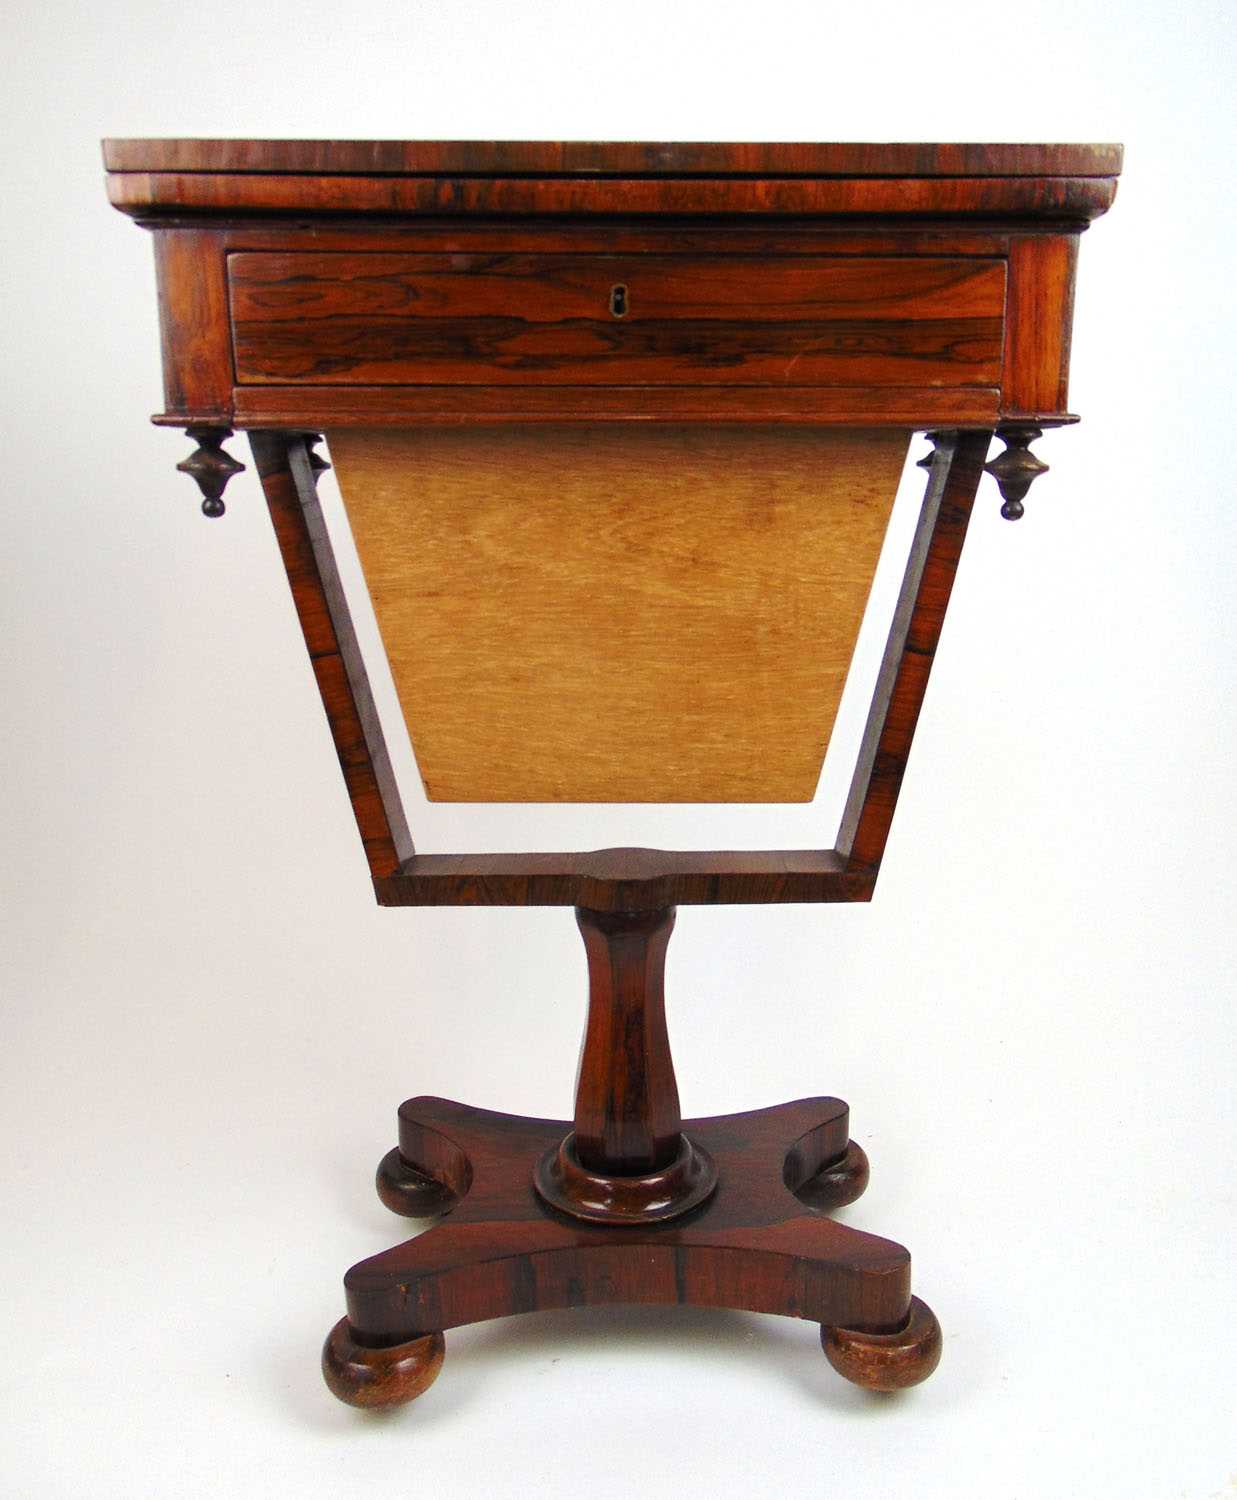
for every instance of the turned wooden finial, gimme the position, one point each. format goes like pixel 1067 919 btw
pixel 1017 468
pixel 210 467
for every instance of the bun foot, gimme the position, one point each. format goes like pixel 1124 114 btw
pixel 838 1183
pixel 378 1379
pixel 887 1361
pixel 406 1191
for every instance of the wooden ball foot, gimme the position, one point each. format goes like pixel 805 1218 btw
pixel 378 1379
pixel 838 1183
pixel 406 1191
pixel 887 1361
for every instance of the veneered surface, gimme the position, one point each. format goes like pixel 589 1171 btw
pixel 610 158
pixel 646 614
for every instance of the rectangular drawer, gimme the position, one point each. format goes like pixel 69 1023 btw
pixel 580 319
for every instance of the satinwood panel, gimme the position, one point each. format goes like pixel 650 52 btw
pixel 606 614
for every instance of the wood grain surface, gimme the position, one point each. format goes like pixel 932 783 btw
pixel 194 327
pixel 642 615
pixel 338 319
pixel 615 158
pixel 289 483
pixel 627 1118
pixel 1071 201
pixel 954 472
pixel 627 880
pixel 753 1245
pixel 298 408
pixel 1038 323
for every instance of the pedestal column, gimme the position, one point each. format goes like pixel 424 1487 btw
pixel 627 1160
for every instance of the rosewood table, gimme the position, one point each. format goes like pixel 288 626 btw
pixel 618 429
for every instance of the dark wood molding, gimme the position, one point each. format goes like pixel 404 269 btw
pixel 610 158
pixel 954 472
pixel 626 879
pixel 614 237
pixel 294 408
pixel 290 483
pixel 1061 201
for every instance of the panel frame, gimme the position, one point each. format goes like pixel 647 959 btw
pixel 622 879
pixel 201 386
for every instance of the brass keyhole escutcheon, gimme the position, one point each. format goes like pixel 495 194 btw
pixel 618 300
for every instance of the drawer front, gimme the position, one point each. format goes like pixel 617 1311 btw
pixel 500 320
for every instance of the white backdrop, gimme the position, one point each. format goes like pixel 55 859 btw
pixel 208 1024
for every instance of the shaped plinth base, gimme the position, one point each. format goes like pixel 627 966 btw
pixel 757 1242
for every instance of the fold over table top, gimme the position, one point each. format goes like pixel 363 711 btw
pixel 154 178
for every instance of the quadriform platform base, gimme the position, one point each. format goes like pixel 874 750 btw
pixel 723 1212
pixel 617 430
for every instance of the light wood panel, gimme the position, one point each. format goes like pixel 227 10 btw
pixel 619 614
